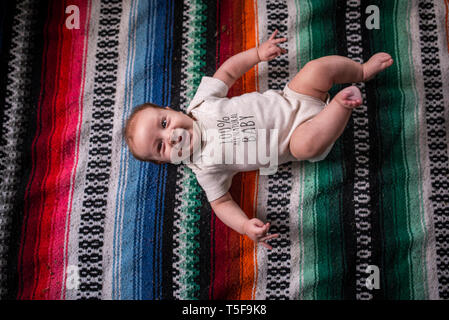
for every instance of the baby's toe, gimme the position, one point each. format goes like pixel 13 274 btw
pixel 380 57
pixel 385 60
pixel 385 56
pixel 388 63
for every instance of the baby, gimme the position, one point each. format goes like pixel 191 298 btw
pixel 302 122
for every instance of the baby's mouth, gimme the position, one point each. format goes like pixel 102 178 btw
pixel 180 136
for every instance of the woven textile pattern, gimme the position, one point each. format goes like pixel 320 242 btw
pixel 80 218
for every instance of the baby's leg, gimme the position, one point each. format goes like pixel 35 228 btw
pixel 319 75
pixel 312 138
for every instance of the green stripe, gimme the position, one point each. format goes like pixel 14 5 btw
pixel 323 238
pixel 411 137
pixel 400 199
pixel 309 263
pixel 328 174
pixel 189 239
pixel 420 274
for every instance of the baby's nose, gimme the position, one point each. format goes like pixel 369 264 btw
pixel 174 138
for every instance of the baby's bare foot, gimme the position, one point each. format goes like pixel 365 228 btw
pixel 376 64
pixel 349 97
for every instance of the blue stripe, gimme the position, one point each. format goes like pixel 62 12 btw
pixel 121 199
pixel 125 198
pixel 138 235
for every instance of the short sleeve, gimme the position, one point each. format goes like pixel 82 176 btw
pixel 209 88
pixel 214 183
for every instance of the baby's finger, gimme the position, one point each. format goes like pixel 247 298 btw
pixel 275 41
pixel 273 49
pixel 273 35
pixel 258 223
pixel 266 245
pixel 272 56
pixel 269 237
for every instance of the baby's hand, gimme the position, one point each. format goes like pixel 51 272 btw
pixel 269 50
pixel 256 230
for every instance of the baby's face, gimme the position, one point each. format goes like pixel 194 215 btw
pixel 161 134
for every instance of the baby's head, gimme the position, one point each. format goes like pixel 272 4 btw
pixel 159 134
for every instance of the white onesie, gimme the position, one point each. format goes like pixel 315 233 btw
pixel 244 133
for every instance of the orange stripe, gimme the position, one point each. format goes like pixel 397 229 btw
pixel 248 200
pixel 244 187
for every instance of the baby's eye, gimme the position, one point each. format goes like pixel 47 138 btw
pixel 164 123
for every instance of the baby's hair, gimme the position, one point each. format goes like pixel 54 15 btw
pixel 129 126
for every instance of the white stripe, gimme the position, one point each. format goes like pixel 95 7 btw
pixel 262 252
pixel 440 12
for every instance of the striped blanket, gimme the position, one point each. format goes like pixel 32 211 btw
pixel 81 218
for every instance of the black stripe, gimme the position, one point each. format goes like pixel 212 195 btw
pixel 211 38
pixel 347 160
pixel 375 157
pixel 211 69
pixel 167 233
pixel 160 216
pixel 39 16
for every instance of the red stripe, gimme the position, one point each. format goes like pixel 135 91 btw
pixel 47 150
pixel 69 137
pixel 81 42
pixel 42 258
pixel 221 231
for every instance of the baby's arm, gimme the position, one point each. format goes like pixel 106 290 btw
pixel 233 68
pixel 229 212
